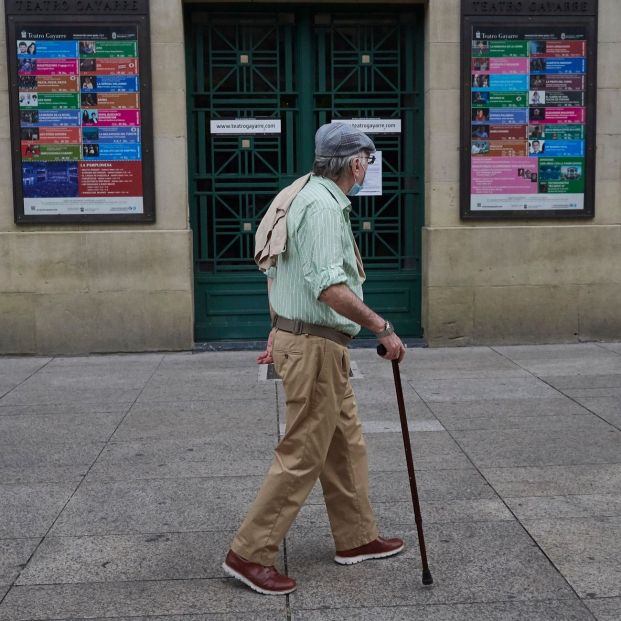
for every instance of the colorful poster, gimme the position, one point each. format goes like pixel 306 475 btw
pixel 108 49
pixel 51 135
pixel 565 98
pixel 27 48
pixel 51 101
pixel 564 115
pixel 557 65
pixel 50 152
pixel 561 174
pixel 559 83
pixel 504 175
pixel 499 82
pixel 61 118
pixel 508 132
pixel 46 66
pixel 109 66
pixel 562 148
pixel 54 84
pixel 119 135
pixel 508 66
pixel 528 115
pixel 507 100
pixel 509 148
pixel 110 100
pixel 110 178
pixel 79 109
pixel 109 151
pixel 511 116
pixel 118 118
pixel 108 84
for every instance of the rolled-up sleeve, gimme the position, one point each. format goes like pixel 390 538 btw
pixel 270 272
pixel 321 248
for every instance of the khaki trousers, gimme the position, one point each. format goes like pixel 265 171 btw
pixel 323 439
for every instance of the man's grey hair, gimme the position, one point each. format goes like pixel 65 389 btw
pixel 334 168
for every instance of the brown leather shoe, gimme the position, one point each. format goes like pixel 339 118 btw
pixel 259 578
pixel 378 548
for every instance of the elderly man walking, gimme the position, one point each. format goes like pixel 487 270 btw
pixel 315 293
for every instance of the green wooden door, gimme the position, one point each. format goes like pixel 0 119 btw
pixel 304 68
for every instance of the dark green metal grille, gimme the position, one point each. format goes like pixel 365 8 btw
pixel 304 68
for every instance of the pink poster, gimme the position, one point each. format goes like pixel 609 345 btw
pixel 118 118
pixel 508 65
pixel 504 175
pixel 564 115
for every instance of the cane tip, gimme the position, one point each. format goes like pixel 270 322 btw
pixel 427 579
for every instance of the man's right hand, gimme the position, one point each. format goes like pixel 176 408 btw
pixel 265 357
pixel 395 349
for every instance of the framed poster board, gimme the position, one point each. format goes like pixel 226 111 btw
pixel 80 109
pixel 528 109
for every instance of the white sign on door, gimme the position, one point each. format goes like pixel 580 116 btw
pixel 374 126
pixel 245 126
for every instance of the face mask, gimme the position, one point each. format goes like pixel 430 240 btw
pixel 355 189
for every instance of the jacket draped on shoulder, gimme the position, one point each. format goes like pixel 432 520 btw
pixel 271 235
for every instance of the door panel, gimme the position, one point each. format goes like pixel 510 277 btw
pixel 304 68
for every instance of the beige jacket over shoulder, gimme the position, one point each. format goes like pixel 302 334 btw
pixel 271 235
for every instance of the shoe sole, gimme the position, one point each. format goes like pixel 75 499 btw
pixel 231 572
pixel 352 560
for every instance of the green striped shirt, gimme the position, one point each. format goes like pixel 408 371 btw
pixel 320 253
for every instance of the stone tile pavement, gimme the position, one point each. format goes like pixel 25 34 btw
pixel 123 477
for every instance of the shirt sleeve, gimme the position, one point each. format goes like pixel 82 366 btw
pixel 321 249
pixel 270 272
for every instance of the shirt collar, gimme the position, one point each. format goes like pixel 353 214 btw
pixel 341 198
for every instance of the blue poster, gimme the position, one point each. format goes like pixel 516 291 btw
pixel 506 83
pixel 111 151
pixel 50 179
pixel 109 84
pixel 58 118
pixel 118 135
pixel 46 49
pixel 562 148
pixel 508 116
pixel 557 65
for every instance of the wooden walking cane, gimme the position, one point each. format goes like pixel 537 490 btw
pixel 427 579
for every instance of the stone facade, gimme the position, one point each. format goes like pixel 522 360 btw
pixel 80 289
pixel 517 281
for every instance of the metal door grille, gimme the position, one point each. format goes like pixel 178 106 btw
pixel 304 68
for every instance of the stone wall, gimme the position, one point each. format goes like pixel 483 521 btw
pixel 81 288
pixel 99 288
pixel 518 281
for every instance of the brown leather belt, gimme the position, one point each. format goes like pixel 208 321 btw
pixel 295 326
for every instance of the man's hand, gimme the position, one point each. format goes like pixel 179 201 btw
pixel 395 349
pixel 266 356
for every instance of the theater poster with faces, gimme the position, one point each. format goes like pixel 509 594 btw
pixel 528 113
pixel 81 122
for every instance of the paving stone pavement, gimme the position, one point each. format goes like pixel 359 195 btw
pixel 124 477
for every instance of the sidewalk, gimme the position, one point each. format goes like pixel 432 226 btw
pixel 122 479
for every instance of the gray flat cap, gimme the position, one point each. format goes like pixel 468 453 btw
pixel 341 139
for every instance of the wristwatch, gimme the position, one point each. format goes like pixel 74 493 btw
pixel 388 329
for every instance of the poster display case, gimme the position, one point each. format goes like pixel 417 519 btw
pixel 80 106
pixel 528 110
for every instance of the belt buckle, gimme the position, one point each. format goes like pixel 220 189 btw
pixel 297 326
